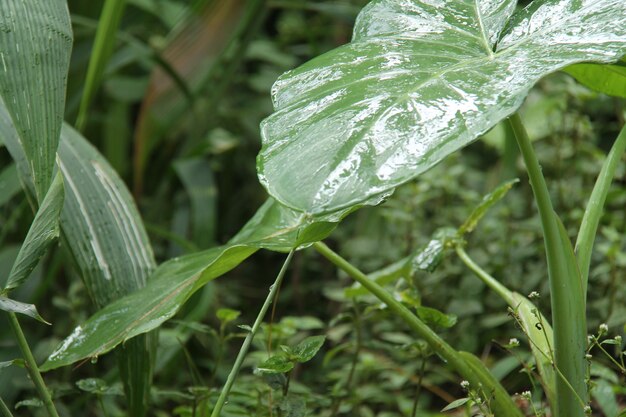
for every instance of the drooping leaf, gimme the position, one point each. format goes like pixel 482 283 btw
pixel 273 227
pixel 43 231
pixel 35 46
pixel 488 201
pixel 308 348
pixel 103 44
pixel 607 79
pixel 101 228
pixel 12 306
pixel 418 82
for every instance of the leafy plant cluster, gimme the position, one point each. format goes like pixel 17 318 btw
pixel 130 134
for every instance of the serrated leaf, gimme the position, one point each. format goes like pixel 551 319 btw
pixel 418 82
pixel 12 306
pixel 35 45
pixel 308 348
pixel 277 364
pixel 273 227
pixel 488 201
pixel 436 318
pixel 42 233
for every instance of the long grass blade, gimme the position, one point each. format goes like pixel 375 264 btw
pixel 103 45
pixel 35 51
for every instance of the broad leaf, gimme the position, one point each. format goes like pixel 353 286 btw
pixel 277 364
pixel 102 230
pixel 420 80
pixel 272 227
pixel 43 231
pixel 12 306
pixel 35 46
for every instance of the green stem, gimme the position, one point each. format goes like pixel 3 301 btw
pixel 568 306
pixel 503 404
pixel 4 410
pixel 248 340
pixel 31 366
pixel 490 281
pixel 593 211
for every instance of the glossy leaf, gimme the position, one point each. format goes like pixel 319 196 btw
pixel 101 228
pixel 43 231
pixel 12 306
pixel 308 348
pixel 34 65
pixel 607 79
pixel 272 227
pixel 277 364
pixel 418 82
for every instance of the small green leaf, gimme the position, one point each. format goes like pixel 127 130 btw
pixel 13 306
pixel 43 231
pixel 308 348
pixel 277 364
pixel 434 317
pixel 226 315
pixel 455 404
pixel 488 201
pixel 98 386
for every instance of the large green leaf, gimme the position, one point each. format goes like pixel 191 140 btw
pixel 273 227
pixel 43 231
pixel 420 80
pixel 35 46
pixel 102 230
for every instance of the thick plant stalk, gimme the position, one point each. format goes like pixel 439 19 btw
pixel 248 340
pixel 502 404
pixel 31 367
pixel 593 211
pixel 568 305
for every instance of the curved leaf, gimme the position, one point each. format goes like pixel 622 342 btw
pixel 607 79
pixel 35 46
pixel 43 231
pixel 273 227
pixel 418 81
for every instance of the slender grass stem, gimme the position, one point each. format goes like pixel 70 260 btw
pixel 4 410
pixel 248 340
pixel 31 366
pixel 568 305
pixel 503 404
pixel 593 211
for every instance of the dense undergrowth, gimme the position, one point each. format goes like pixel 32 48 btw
pixel 177 115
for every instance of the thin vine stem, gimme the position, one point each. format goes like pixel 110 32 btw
pixel 31 366
pixel 4 410
pixel 248 340
pixel 568 305
pixel 594 209
pixel 504 404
